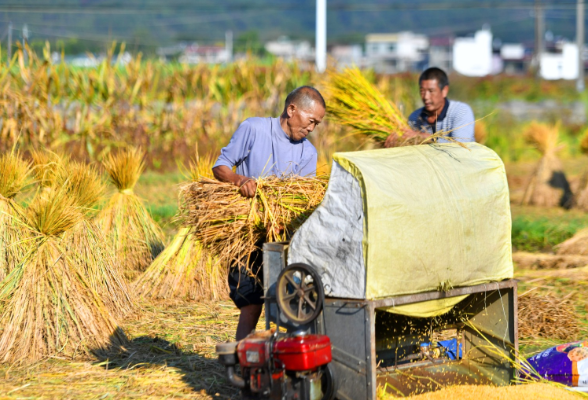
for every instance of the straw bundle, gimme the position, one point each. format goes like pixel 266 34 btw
pixel 50 307
pixel 548 185
pixel 86 243
pixel 231 226
pixel 354 102
pixel 14 176
pixel 125 221
pixel 576 245
pixel 547 315
pixel 46 165
pixel 185 269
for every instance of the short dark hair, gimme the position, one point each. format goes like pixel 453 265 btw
pixel 303 97
pixel 435 73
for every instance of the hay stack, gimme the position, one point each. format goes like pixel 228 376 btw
pixel 46 165
pixel 231 226
pixel 548 186
pixel 87 245
pixel 14 176
pixel 576 245
pixel 185 269
pixel 125 221
pixel 544 314
pixel 50 307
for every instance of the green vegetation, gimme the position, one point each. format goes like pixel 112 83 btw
pixel 541 234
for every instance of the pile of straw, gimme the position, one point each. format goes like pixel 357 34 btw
pixel 548 185
pixel 86 244
pixel 125 221
pixel 49 305
pixel 232 227
pixel 576 245
pixel 14 176
pixel 185 269
pixel 354 102
pixel 546 315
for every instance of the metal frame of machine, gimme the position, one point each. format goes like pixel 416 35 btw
pixel 372 347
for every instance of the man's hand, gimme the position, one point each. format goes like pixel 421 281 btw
pixel 391 141
pixel 247 187
pixel 394 140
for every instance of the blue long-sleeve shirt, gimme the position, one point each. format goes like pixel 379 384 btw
pixel 457 118
pixel 260 147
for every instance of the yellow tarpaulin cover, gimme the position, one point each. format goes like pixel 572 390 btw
pixel 436 217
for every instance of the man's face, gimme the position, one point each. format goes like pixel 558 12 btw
pixel 433 97
pixel 302 122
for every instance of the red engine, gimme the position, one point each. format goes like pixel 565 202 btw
pixel 280 366
pixel 285 366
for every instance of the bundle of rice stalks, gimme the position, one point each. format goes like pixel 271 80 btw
pixel 546 315
pixel 185 269
pixel 125 221
pixel 85 242
pixel 46 165
pixel 548 185
pixel 15 174
pixel 354 102
pixel 576 245
pixel 232 226
pixel 49 306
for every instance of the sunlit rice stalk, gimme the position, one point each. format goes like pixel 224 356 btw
pixel 15 175
pixel 86 244
pixel 354 102
pixel 185 269
pixel 125 222
pixel 50 307
pixel 231 226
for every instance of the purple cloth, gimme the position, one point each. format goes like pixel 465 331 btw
pixel 260 147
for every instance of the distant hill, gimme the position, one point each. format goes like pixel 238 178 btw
pixel 146 24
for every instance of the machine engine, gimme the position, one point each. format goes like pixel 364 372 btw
pixel 284 366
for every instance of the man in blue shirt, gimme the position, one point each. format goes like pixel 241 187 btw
pixel 438 114
pixel 263 147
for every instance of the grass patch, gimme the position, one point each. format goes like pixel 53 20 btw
pixel 529 234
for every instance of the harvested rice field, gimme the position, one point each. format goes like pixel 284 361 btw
pixel 170 355
pixel 149 341
pixel 171 344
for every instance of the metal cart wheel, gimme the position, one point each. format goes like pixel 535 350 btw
pixel 299 293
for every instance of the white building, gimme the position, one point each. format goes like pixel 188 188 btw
pixel 195 54
pixel 396 52
pixel 441 53
pixel 560 65
pixel 514 58
pixel 346 56
pixel 290 50
pixel 472 56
